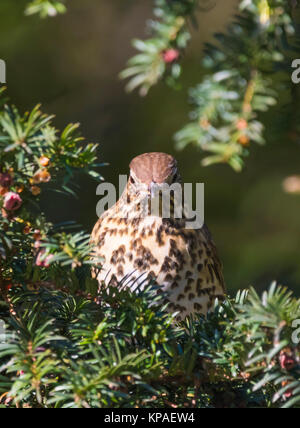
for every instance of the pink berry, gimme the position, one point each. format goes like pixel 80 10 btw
pixel 286 361
pixel 48 260
pixel 43 261
pixel 170 55
pixel 39 262
pixel 12 201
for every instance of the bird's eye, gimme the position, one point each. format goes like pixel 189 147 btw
pixel 132 180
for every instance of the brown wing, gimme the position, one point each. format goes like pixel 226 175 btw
pixel 214 260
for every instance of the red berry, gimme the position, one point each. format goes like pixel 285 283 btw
pixel 42 260
pixel 170 55
pixel 12 201
pixel 286 361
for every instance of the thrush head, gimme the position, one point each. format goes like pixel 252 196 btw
pixel 151 170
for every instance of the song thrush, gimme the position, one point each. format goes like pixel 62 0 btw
pixel 183 262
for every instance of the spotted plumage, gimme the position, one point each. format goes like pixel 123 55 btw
pixel 184 262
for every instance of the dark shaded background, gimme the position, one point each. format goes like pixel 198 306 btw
pixel 71 65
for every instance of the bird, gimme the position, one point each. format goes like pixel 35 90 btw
pixel 184 263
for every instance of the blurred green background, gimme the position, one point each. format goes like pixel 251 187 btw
pixel 71 63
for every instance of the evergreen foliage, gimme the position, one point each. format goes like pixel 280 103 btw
pixel 124 350
pixel 69 344
pixel 159 55
pixel 35 157
pixel 45 8
pixel 242 71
